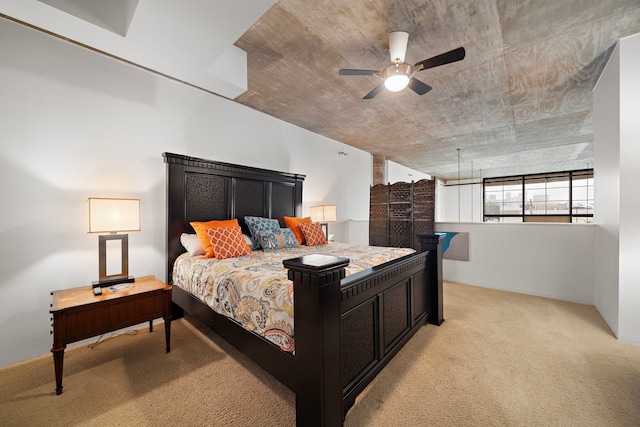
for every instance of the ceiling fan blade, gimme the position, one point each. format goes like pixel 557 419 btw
pixel 376 90
pixel 418 87
pixel 442 59
pixel 398 45
pixel 349 72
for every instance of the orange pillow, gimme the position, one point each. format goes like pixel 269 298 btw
pixel 294 225
pixel 313 234
pixel 201 230
pixel 228 242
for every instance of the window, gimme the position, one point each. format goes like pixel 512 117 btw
pixel 552 197
pixel 582 196
pixel 502 198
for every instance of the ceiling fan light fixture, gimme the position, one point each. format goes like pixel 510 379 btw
pixel 396 82
pixel 396 76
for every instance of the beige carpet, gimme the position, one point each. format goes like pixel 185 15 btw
pixel 499 359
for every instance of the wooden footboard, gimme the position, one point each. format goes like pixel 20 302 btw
pixel 348 329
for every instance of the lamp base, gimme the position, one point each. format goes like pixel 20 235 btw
pixel 325 228
pixel 113 281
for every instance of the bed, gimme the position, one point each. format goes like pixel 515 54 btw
pixel 347 328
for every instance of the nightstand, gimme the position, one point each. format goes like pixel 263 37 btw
pixel 79 314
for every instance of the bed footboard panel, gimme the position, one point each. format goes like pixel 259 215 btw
pixel 380 314
pixel 348 329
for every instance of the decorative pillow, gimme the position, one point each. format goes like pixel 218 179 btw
pixel 248 240
pixel 191 242
pixel 290 240
pixel 227 242
pixel 258 224
pixel 277 239
pixel 201 230
pixel 270 240
pixel 294 224
pixel 313 234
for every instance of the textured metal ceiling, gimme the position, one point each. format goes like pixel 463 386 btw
pixel 520 102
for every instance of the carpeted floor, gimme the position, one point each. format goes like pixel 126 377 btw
pixel 500 359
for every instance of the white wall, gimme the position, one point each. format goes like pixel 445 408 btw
pixel 76 124
pixel 617 159
pixel 399 173
pixel 145 33
pixel 355 232
pixel 629 327
pixel 548 260
pixel 606 118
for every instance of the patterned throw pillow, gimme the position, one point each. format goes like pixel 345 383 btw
pixel 290 240
pixel 294 224
pixel 277 239
pixel 258 224
pixel 270 240
pixel 313 234
pixel 201 230
pixel 228 242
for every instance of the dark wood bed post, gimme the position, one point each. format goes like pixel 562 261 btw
pixel 433 242
pixel 316 286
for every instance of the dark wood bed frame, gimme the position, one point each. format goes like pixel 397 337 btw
pixel 346 328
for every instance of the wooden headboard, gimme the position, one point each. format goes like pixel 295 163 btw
pixel 203 190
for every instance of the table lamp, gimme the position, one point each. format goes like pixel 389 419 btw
pixel 108 215
pixel 324 214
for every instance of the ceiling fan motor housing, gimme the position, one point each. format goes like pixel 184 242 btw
pixel 398 45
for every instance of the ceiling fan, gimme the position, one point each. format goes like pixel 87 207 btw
pixel 398 75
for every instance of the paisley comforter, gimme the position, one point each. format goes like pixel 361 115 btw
pixel 254 290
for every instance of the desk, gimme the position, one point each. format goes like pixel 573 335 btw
pixel 79 314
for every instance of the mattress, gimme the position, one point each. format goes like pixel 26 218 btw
pixel 254 291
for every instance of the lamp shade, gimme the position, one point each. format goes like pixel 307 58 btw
pixel 113 215
pixel 323 213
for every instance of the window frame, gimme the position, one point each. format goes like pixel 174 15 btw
pixel 522 180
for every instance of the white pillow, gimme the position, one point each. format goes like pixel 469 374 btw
pixel 192 244
pixel 248 240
